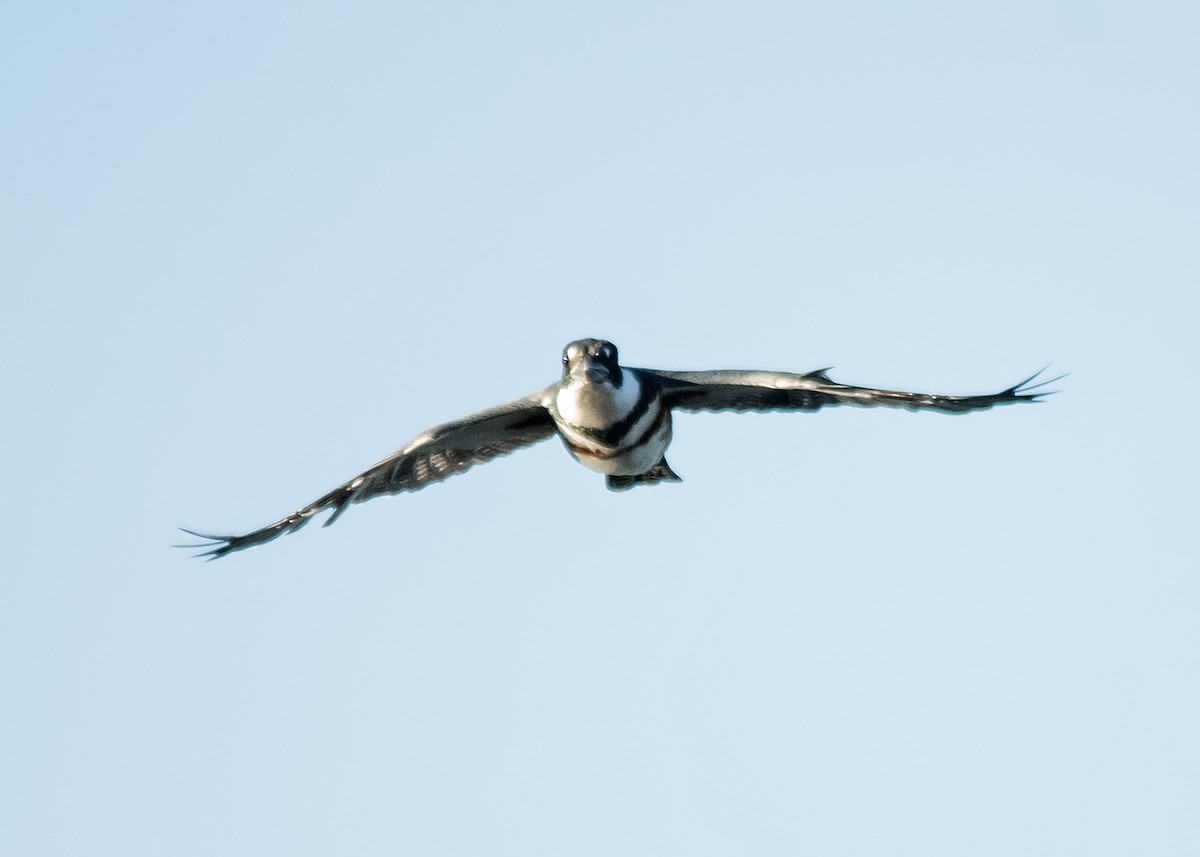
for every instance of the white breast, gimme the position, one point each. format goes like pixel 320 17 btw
pixel 598 405
pixel 601 406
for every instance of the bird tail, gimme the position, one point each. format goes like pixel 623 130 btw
pixel 660 472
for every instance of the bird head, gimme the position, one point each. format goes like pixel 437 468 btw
pixel 591 361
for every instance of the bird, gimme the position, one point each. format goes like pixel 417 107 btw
pixel 613 419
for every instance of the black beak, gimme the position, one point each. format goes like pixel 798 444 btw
pixel 593 369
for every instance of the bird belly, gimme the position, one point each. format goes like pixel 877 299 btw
pixel 637 457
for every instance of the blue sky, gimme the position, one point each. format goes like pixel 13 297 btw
pixel 249 249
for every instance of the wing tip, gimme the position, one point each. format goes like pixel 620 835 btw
pixel 214 546
pixel 1027 391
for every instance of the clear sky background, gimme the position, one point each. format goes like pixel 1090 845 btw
pixel 248 249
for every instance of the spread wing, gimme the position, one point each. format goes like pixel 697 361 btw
pixel 736 390
pixel 438 454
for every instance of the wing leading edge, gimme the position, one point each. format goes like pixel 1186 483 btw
pixel 738 390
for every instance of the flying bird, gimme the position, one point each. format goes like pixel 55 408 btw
pixel 612 419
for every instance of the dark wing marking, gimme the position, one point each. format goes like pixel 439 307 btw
pixel 438 454
pixel 736 390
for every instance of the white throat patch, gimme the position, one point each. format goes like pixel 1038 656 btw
pixel 598 405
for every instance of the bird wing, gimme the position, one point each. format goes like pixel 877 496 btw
pixel 437 454
pixel 737 390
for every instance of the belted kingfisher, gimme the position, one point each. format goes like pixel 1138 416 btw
pixel 613 419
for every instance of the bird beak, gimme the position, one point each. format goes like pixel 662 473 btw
pixel 592 369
